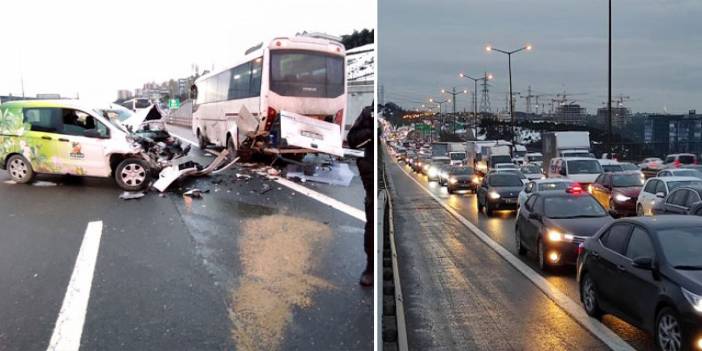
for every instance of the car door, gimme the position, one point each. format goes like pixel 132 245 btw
pixel 647 194
pixel 82 144
pixel 606 261
pixel 692 198
pixel 524 194
pixel 527 226
pixel 656 202
pixel 640 282
pixel 676 202
pixel 41 140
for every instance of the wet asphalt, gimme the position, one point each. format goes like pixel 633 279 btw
pixel 239 269
pixel 459 292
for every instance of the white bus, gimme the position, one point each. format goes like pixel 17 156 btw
pixel 239 107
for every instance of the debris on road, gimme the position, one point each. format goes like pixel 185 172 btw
pixel 171 173
pixel 10 182
pixel 240 176
pixel 266 188
pixel 333 174
pixel 131 195
pixel 195 193
pixel 43 183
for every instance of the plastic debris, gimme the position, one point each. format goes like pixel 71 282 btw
pixel 131 195
pixel 266 188
pixel 195 193
pixel 43 183
pixel 333 174
pixel 243 176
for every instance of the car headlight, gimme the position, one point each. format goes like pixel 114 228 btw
pixel 443 175
pixel 556 236
pixel 432 172
pixel 476 180
pixel 494 195
pixel 453 180
pixel 543 176
pixel 694 299
pixel 621 198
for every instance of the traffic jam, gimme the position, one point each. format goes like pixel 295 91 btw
pixel 625 236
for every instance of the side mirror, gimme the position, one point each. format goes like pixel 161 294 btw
pixel 643 263
pixel 660 195
pixel 535 216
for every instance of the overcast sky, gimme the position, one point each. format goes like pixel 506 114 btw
pixel 657 50
pixel 95 48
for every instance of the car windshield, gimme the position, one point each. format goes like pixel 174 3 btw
pixel 584 167
pixel 457 156
pixel 461 170
pixel 626 180
pixel 682 246
pixel 554 186
pixel 531 169
pixel 142 103
pixel 505 180
pixel 535 158
pixel 689 173
pixel 612 168
pixel 440 162
pixel 677 184
pixel 629 167
pixel 505 166
pixel 572 207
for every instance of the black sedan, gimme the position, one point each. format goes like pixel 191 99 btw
pixel 683 200
pixel 552 224
pixel 499 191
pixel 461 178
pixel 648 272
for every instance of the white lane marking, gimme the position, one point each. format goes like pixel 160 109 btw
pixel 69 324
pixel 607 336
pixel 348 209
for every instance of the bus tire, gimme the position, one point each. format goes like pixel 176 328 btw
pixel 231 147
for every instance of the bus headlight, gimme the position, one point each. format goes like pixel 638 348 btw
pixel 453 180
pixel 494 195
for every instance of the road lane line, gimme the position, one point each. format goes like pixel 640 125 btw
pixel 348 209
pixel 69 324
pixel 599 330
pixel 183 139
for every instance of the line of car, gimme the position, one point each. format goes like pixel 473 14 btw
pixel 644 270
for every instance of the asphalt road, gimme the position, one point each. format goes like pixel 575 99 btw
pixel 443 260
pixel 243 268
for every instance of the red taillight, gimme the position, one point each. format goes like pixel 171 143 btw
pixel 575 189
pixel 581 249
pixel 676 163
pixel 271 117
pixel 339 117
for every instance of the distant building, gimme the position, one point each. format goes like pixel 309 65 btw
pixel 570 114
pixel 124 94
pixel 620 116
pixel 667 134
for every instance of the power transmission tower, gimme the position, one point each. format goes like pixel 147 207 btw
pixel 485 96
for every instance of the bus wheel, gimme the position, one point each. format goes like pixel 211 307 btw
pixel 201 141
pixel 231 147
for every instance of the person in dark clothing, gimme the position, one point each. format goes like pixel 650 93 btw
pixel 360 136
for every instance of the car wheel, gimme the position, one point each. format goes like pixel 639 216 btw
pixel 588 294
pixel 20 169
pixel 521 250
pixel 639 211
pixel 201 141
pixel 541 256
pixel 669 331
pixel 132 174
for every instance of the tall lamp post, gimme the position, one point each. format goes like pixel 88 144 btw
pixel 485 78
pixel 440 103
pixel 453 94
pixel 609 84
pixel 527 47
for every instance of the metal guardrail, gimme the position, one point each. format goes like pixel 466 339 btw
pixel 390 298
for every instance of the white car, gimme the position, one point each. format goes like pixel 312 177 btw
pixel 609 165
pixel 532 171
pixel 652 163
pixel 680 172
pixel 536 186
pixel 656 189
pixel 583 170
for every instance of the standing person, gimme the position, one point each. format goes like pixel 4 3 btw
pixel 361 137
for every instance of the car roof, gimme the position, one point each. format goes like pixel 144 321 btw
pixel 552 180
pixel 575 158
pixel 607 162
pixel 675 178
pixel 70 103
pixel 665 222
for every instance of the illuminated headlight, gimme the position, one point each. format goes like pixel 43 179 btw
pixel 476 180
pixel 432 172
pixel 621 198
pixel 443 175
pixel 694 299
pixel 425 167
pixel 494 195
pixel 543 176
pixel 453 180
pixel 556 236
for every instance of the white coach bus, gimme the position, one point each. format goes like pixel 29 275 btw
pixel 239 107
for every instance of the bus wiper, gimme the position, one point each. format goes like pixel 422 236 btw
pixel 688 268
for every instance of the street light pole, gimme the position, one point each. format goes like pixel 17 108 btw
pixel 453 94
pixel 527 47
pixel 609 84
pixel 485 78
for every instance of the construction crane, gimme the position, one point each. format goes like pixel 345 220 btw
pixel 535 97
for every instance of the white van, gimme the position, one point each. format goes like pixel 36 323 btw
pixel 583 170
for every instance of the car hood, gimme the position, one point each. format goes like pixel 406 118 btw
pixel 507 191
pixel 462 176
pixel 586 226
pixel 151 113
pixel 629 191
pixel 692 275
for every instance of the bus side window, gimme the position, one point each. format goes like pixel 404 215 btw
pixel 256 72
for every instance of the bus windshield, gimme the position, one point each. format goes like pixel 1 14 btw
pixel 306 74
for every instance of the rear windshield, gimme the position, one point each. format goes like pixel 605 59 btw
pixel 505 180
pixel 688 173
pixel 675 185
pixel 612 168
pixel 686 159
pixel 554 186
pixel 629 167
pixel 306 74
pixel 500 159
pixel 627 180
pixel 531 169
pixel 457 156
pixel 535 158
pixel 584 167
